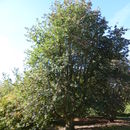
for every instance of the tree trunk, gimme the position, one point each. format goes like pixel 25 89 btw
pixel 111 119
pixel 69 126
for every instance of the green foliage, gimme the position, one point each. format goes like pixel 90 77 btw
pixel 6 85
pixel 12 104
pixel 38 112
pixel 10 112
pixel 127 110
pixel 113 98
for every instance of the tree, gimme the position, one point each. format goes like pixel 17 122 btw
pixel 70 63
pixel 11 103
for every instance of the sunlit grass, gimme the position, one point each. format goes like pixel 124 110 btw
pixel 127 110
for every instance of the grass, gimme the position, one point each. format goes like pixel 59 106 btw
pixel 108 128
pixel 122 117
pixel 126 114
pixel 127 110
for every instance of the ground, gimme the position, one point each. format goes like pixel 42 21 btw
pixel 101 124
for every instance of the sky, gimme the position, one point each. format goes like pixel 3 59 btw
pixel 15 15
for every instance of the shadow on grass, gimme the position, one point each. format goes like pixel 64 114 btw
pixel 115 128
pixel 99 123
pixel 107 128
pixel 124 116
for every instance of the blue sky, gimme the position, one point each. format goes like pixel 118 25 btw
pixel 15 15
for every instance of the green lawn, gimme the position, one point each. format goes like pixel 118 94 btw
pixel 127 110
